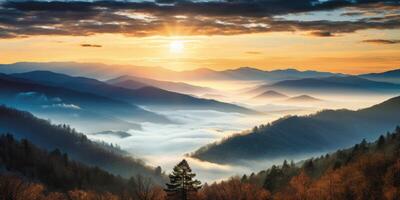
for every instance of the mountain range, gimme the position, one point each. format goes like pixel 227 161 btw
pixel 73 106
pixel 389 76
pixel 248 73
pixel 132 82
pixel 144 96
pixel 298 135
pixel 270 94
pixel 343 84
pixel 104 71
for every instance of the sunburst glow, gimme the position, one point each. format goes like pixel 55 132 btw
pixel 176 46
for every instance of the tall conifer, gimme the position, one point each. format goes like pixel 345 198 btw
pixel 182 186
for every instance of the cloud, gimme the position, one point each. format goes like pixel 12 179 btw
pixel 39 97
pixel 62 105
pixel 382 41
pixel 253 52
pixel 353 13
pixel 91 45
pixel 322 34
pixel 185 17
pixel 36 98
pixel 32 96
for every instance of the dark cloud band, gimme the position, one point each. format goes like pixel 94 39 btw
pixel 382 41
pixel 184 17
pixel 91 45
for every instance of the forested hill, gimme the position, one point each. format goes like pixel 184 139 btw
pixel 23 161
pixel 45 135
pixel 365 171
pixel 296 135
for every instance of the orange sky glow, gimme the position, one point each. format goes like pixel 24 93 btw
pixel 345 53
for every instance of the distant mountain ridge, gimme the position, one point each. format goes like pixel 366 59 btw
pixel 295 135
pixel 271 94
pixel 145 96
pixel 104 72
pixel 303 98
pixel 56 101
pixel 330 84
pixel 388 76
pixel 132 82
pixel 248 73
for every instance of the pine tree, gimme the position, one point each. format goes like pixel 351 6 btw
pixel 364 145
pixel 381 141
pixel 285 165
pixel 182 185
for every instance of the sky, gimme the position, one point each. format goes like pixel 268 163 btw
pixel 348 36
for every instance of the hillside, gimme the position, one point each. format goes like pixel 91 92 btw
pixel 298 135
pixel 27 166
pixel 303 99
pixel 78 108
pixel 343 84
pixel 46 135
pixel 364 171
pixel 146 96
pixel 270 94
pixel 132 82
pixel 392 76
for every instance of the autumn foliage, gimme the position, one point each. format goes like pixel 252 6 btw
pixel 365 171
pixel 234 189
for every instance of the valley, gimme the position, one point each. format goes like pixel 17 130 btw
pixel 199 100
pixel 185 129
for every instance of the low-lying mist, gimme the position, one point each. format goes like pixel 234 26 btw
pixel 166 144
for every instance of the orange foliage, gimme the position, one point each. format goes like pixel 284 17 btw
pixel 15 188
pixel 234 190
pixel 392 182
pixel 301 184
pixel 357 181
pixel 89 195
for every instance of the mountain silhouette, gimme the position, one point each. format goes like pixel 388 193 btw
pixel 298 135
pixel 132 82
pixel 54 100
pixel 271 94
pixel 331 84
pixel 145 96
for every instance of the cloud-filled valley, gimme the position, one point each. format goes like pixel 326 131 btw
pixel 199 99
pixel 189 128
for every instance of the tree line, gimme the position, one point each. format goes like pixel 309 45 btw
pixel 50 136
pixel 365 171
pixel 29 172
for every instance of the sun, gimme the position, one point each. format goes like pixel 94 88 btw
pixel 176 46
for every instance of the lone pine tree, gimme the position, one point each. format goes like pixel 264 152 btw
pixel 182 186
